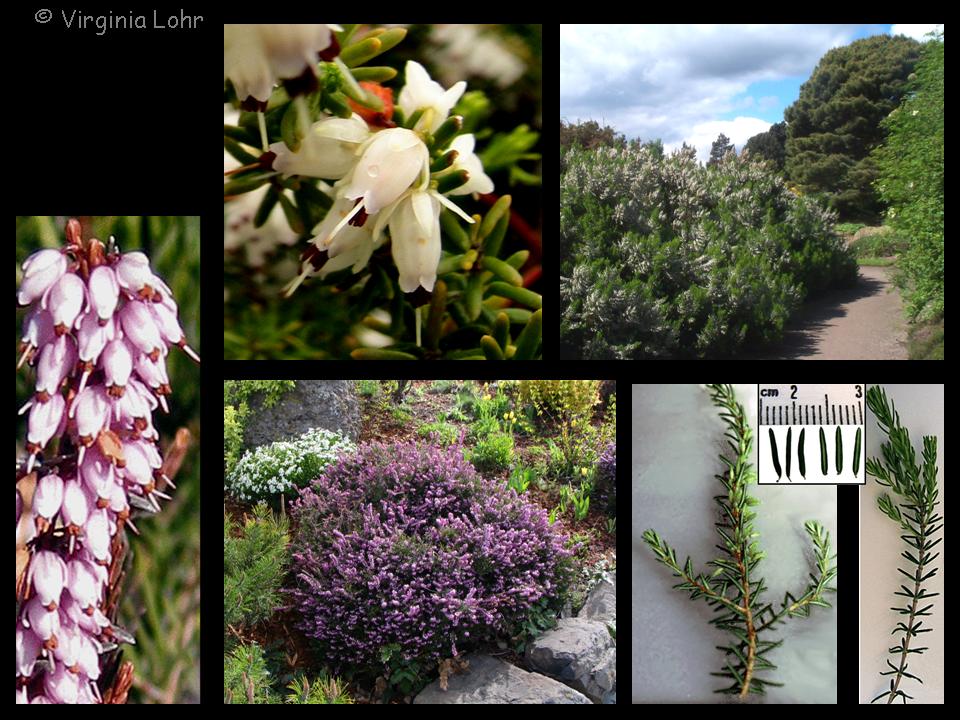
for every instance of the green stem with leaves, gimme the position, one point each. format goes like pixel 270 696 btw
pixel 730 589
pixel 914 511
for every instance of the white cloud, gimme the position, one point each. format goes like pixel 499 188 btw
pixel 738 130
pixel 672 81
pixel 917 32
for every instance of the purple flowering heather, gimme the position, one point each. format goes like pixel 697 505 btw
pixel 405 544
pixel 605 486
pixel 97 335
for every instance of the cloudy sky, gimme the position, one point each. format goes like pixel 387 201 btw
pixel 689 83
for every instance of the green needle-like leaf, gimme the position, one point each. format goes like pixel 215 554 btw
pixel 823 452
pixel 743 613
pixel 491 349
pixel 502 270
pixel 373 74
pixel 519 294
pixel 529 339
pixel 916 491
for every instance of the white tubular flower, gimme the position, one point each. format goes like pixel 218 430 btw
pixel 255 57
pixel 390 164
pixel 353 247
pixel 479 182
pixel 420 92
pixel 324 238
pixel 291 48
pixel 329 149
pixel 415 240
pixel 245 63
pixel 239 234
pixel 345 244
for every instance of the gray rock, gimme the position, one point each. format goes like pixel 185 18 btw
pixel 491 680
pixel 580 653
pixel 601 603
pixel 329 404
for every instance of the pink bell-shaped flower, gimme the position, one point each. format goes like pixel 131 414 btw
pixel 48 496
pixel 167 322
pixel 49 575
pixel 40 271
pixel 138 468
pixel 92 337
pixel 97 536
pixel 118 501
pixel 62 686
pixel 92 411
pixel 68 649
pixel 76 505
pixel 140 328
pixel 37 332
pixel 154 374
pixel 44 623
pixel 56 361
pixel 46 419
pixel 28 648
pixel 87 659
pixel 64 300
pixel 117 362
pixel 98 474
pixel 83 585
pixel 133 272
pixel 104 292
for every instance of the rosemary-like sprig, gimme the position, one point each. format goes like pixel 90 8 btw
pixel 730 589
pixel 914 511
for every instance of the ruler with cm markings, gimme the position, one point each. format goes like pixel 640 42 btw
pixel 811 404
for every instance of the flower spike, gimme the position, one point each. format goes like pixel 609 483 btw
pixel 98 333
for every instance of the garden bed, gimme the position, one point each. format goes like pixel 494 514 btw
pixel 510 441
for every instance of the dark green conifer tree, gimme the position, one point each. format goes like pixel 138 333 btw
pixel 770 145
pixel 721 146
pixel 835 124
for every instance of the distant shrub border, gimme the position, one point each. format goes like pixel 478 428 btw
pixel 404 551
pixel 662 257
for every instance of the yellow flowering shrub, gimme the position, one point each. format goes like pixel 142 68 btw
pixel 562 400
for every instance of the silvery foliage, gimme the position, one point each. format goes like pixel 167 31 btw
pixel 665 257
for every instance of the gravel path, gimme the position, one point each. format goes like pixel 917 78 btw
pixel 862 323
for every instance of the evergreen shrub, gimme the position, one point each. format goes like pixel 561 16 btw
pixel 493 452
pixel 406 547
pixel 662 257
pixel 254 563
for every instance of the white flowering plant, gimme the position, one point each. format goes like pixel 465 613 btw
pixel 383 194
pixel 661 257
pixel 279 468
